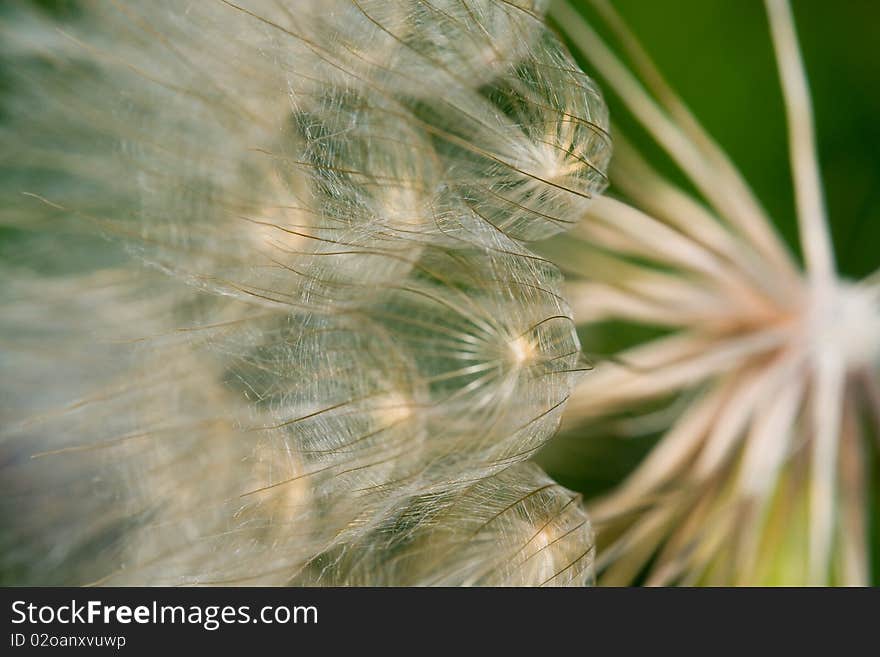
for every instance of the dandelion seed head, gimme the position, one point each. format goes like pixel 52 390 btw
pixel 536 527
pixel 304 340
pixel 526 157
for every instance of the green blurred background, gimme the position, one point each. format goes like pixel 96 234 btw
pixel 718 55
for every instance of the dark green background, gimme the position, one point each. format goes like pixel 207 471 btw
pixel 718 55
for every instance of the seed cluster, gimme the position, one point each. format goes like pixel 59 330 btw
pixel 316 348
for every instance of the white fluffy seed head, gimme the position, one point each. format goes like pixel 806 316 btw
pixel 318 302
pixel 530 149
pixel 516 528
